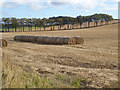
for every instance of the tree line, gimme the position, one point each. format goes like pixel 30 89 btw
pixel 51 22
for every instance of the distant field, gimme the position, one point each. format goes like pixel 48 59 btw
pixel 94 64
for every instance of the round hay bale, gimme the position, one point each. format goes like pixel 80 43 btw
pixel 46 40
pixel 66 40
pixel 28 38
pixel 3 43
pixel 51 40
pixel 40 39
pixel 79 40
pixel 18 38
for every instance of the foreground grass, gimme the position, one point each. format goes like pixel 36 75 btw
pixel 14 76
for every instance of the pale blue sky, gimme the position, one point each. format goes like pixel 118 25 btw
pixel 49 8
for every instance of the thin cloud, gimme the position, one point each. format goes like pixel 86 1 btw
pixel 82 5
pixel 119 10
pixel 109 8
pixel 111 0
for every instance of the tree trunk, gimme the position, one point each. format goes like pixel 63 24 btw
pixel 15 29
pixel 40 28
pixel 68 26
pixel 88 24
pixel 8 29
pixel 96 23
pixel 5 28
pixel 102 23
pixel 80 25
pixel 60 27
pixel 23 28
pixel 35 27
pixel 73 26
pixel 28 28
pixel 44 28
pixel 51 27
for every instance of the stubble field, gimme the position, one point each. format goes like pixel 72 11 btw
pixel 93 64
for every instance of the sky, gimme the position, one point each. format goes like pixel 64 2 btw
pixel 50 8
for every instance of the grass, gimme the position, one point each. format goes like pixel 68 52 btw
pixel 14 76
pixel 79 83
pixel 72 82
pixel 17 78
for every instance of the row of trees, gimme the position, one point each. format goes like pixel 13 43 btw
pixel 53 21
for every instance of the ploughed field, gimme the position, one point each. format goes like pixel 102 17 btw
pixel 96 61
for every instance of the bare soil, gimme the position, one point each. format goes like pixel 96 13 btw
pixel 96 61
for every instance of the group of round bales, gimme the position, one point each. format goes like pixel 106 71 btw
pixel 50 39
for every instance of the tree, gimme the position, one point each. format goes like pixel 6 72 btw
pixel 73 21
pixel 96 18
pixel 30 23
pixel 44 22
pixel 39 23
pixel 22 22
pixel 89 19
pixel 6 22
pixel 80 20
pixel 101 19
pixel 60 22
pixel 34 21
pixel 15 23
pixel 51 23
pixel 107 18
pixel 68 22
pixel 27 23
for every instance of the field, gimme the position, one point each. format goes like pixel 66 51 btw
pixel 94 64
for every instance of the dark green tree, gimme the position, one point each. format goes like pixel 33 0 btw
pixel 80 20
pixel 7 22
pixel 39 23
pixel 45 21
pixel 15 23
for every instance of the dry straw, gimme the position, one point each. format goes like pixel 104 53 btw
pixel 25 38
pixel 28 38
pixel 66 40
pixel 79 40
pixel 3 43
pixel 46 40
pixel 50 40
pixel 18 38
